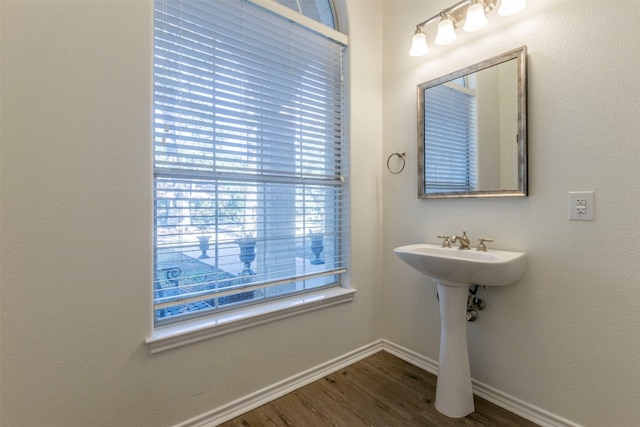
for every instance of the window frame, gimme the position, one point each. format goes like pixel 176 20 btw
pixel 187 330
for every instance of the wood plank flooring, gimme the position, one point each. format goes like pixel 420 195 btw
pixel 381 390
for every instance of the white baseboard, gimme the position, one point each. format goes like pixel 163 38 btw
pixel 279 389
pixel 412 357
pixel 268 394
pixel 519 407
pixel 495 396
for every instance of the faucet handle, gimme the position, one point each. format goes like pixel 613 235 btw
pixel 446 243
pixel 481 246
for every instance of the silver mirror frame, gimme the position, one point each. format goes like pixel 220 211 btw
pixel 520 55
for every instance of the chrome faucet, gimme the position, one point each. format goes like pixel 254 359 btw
pixel 463 240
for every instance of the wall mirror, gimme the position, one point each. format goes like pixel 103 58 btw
pixel 472 130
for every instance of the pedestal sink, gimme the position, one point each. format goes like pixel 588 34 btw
pixel 453 271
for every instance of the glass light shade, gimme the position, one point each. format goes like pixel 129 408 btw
pixel 509 7
pixel 419 44
pixel 475 18
pixel 446 33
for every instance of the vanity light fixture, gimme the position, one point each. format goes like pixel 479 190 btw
pixel 446 32
pixel 471 13
pixel 476 19
pixel 419 45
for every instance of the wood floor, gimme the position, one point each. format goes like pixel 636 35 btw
pixel 381 390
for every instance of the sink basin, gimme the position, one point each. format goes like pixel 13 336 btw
pixel 452 266
pixel 453 271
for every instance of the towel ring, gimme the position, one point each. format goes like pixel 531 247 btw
pixel 400 154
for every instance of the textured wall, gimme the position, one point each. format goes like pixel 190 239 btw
pixel 76 230
pixel 74 220
pixel 565 337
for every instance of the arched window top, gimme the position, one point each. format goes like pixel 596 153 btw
pixel 318 10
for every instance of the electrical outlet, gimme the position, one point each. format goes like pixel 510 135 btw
pixel 581 205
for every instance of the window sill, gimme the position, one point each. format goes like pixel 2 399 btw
pixel 188 332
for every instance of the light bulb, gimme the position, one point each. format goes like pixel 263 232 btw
pixel 419 44
pixel 509 7
pixel 446 33
pixel 475 18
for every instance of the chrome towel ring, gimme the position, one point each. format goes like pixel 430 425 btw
pixel 400 154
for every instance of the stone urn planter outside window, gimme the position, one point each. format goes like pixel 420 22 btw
pixel 317 246
pixel 204 246
pixel 247 254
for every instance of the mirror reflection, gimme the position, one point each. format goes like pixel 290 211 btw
pixel 472 130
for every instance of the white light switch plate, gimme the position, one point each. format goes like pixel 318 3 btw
pixel 581 206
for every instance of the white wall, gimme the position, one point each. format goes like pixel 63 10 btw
pixel 565 338
pixel 75 251
pixel 75 220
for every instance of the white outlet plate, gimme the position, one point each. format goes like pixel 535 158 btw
pixel 581 206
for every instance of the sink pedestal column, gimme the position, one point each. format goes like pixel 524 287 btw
pixel 454 397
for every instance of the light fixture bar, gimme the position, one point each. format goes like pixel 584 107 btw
pixel 458 14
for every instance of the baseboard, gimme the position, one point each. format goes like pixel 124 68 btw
pixel 412 357
pixel 495 396
pixel 268 394
pixel 519 407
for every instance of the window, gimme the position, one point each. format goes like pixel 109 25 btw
pixel 450 137
pixel 319 10
pixel 249 156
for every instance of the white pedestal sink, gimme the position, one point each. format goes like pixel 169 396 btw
pixel 453 271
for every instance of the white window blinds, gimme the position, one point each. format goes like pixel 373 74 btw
pixel 450 131
pixel 249 158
